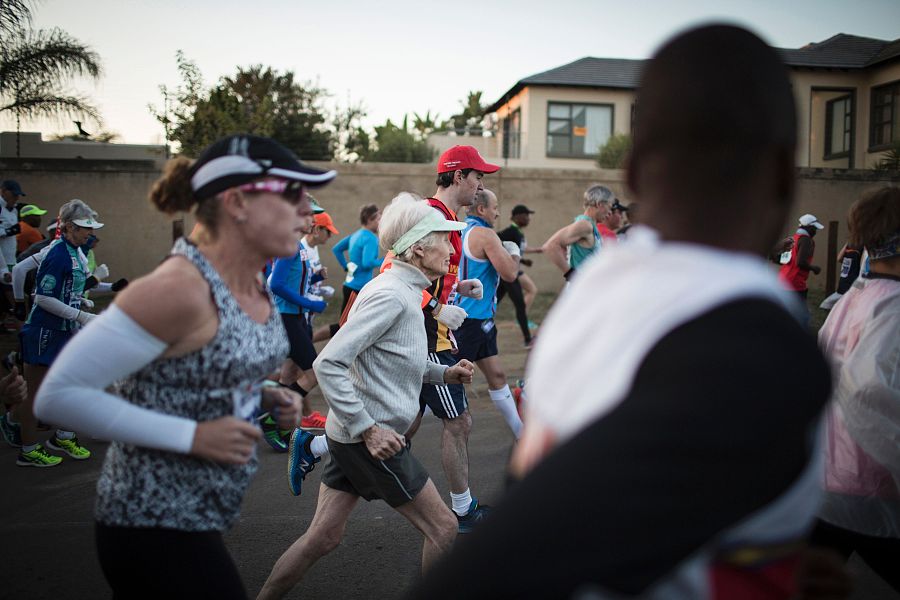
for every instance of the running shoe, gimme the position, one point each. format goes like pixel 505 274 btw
pixel 532 324
pixel 301 461
pixel 476 513
pixel 12 432
pixel 39 457
pixel 70 447
pixel 313 420
pixel 271 434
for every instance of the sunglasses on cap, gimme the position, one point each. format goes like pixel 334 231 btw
pixel 292 191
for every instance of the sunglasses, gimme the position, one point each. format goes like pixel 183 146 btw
pixel 292 191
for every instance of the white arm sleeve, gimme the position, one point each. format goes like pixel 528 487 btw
pixel 20 272
pixel 102 287
pixel 72 395
pixel 56 307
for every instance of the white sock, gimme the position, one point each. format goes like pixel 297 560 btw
pixel 64 435
pixel 29 448
pixel 503 400
pixel 319 446
pixel 461 502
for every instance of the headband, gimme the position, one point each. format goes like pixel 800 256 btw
pixel 887 249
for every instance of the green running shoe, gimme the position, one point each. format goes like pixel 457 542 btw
pixel 70 447
pixel 270 431
pixel 12 433
pixel 39 457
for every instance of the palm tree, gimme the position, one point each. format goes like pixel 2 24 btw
pixel 34 65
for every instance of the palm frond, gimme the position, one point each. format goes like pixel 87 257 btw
pixel 46 56
pixel 15 17
pixel 36 107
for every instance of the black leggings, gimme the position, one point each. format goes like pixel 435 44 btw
pixel 167 563
pixel 879 553
pixel 514 289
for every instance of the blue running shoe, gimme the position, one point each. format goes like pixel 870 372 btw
pixel 301 461
pixel 476 513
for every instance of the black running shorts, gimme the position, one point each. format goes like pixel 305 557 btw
pixel 352 469
pixel 303 353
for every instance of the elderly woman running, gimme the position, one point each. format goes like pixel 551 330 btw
pixel 189 346
pixel 370 374
pixel 55 318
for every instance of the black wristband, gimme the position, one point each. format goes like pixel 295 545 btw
pixel 568 274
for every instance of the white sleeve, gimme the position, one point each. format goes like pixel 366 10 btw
pixel 102 287
pixel 72 395
pixel 20 272
pixel 54 306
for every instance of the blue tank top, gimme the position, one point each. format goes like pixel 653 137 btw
pixel 481 269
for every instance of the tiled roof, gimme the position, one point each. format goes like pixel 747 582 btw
pixel 594 72
pixel 621 73
pixel 841 51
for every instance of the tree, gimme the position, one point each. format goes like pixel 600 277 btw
pixel 257 100
pixel 468 122
pixel 35 65
pixel 399 144
pixel 613 154
pixel 352 141
pixel 890 159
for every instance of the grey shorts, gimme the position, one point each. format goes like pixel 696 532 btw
pixel 352 469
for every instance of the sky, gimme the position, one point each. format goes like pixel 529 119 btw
pixel 399 57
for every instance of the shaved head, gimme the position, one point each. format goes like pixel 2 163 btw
pixel 715 133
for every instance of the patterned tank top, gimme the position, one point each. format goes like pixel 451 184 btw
pixel 142 487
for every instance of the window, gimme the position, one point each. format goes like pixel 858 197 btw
pixel 577 130
pixel 838 119
pixel 512 132
pixel 884 115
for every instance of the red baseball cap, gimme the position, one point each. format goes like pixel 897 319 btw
pixel 458 158
pixel 323 219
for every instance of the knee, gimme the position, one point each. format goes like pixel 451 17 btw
pixel 497 380
pixel 324 540
pixel 445 532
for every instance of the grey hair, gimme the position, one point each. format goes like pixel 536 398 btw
pixel 76 209
pixel 401 215
pixel 598 194
pixel 482 199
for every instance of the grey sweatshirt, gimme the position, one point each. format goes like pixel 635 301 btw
pixel 371 372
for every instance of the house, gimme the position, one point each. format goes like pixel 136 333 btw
pixel 847 90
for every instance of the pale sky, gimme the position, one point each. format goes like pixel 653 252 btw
pixel 401 56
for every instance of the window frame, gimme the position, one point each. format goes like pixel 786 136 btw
pixel 848 127
pixel 549 154
pixel 508 135
pixel 893 121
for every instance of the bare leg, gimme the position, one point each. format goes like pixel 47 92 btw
pixel 455 451
pixel 24 412
pixel 529 289
pixel 323 536
pixel 428 513
pixel 322 333
pixel 308 382
pixel 493 371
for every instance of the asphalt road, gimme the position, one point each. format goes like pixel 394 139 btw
pixel 46 529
